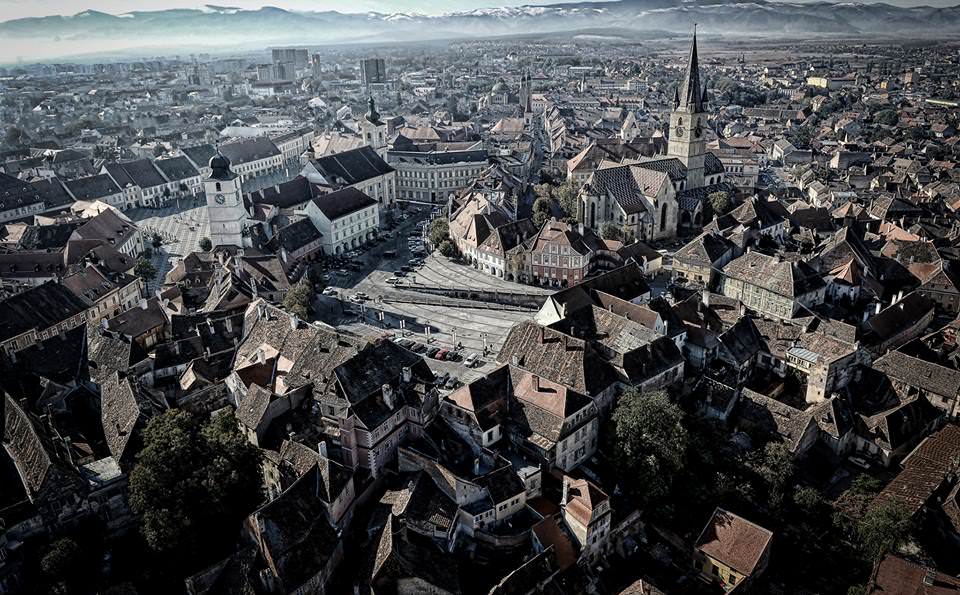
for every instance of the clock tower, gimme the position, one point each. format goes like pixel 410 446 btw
pixel 225 204
pixel 688 122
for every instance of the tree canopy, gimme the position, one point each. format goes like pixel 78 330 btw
pixel 145 270
pixel 193 483
pixel 439 231
pixel 649 443
pixel 297 301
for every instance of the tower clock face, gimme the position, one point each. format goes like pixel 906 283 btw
pixel 220 199
pixel 679 131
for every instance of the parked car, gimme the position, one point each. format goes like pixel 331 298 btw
pixel 453 356
pixel 441 355
pixel 418 347
pixel 330 291
pixel 432 352
pixel 389 253
pixel 442 379
pixel 471 360
pixel 859 462
pixel 451 383
pixel 394 281
pixel 363 295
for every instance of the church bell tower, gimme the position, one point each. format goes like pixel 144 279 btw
pixel 688 121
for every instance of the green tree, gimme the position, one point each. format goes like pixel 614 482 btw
pixel 649 445
pixel 297 300
pixel 145 270
pixel 205 244
pixel 566 196
pixel 62 563
pixel 720 203
pixel 447 248
pixel 439 231
pixel 541 211
pixel 887 117
pixel 156 240
pixel 776 469
pixel 609 231
pixel 13 136
pixel 809 501
pixel 192 485
pixel 884 528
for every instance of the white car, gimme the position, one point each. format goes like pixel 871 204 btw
pixel 394 281
pixel 330 291
pixel 471 360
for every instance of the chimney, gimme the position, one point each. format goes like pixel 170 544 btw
pixel 387 395
pixel 143 303
pixel 566 490
pixel 322 448
pixel 705 298
pixel 543 333
pixel 294 322
pixel 515 360
pixel 879 307
pixel 536 382
pixel 476 466
pixel 407 374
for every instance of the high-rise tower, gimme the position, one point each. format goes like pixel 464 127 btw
pixel 688 121
pixel 225 204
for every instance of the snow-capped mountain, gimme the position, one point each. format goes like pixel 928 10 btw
pixel 223 25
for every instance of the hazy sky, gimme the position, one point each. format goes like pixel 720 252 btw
pixel 12 9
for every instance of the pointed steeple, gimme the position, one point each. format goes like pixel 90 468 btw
pixel 691 94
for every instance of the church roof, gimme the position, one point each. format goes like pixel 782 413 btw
pixel 690 95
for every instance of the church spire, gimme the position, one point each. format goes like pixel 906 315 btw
pixel 691 94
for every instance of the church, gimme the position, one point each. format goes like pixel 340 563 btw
pixel 651 198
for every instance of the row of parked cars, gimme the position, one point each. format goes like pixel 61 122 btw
pixel 438 353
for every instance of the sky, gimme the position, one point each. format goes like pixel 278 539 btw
pixel 13 9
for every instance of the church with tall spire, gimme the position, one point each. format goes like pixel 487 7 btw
pixel 657 197
pixel 688 120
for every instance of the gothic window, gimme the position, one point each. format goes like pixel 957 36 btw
pixel 218 186
pixel 679 121
pixel 663 217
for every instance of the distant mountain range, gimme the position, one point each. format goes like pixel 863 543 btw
pixel 225 26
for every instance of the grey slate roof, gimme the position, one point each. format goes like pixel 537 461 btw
pixel 352 167
pixel 343 202
pixel 93 187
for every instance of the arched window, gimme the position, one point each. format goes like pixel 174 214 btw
pixel 663 217
pixel 218 186
pixel 593 214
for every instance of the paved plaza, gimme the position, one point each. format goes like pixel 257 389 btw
pixel 181 228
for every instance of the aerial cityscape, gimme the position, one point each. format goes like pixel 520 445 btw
pixel 633 297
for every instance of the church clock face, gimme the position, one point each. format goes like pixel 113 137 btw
pixel 679 131
pixel 220 199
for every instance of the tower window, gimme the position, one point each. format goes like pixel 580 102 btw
pixel 218 186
